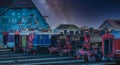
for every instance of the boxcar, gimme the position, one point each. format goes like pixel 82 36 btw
pixel 43 39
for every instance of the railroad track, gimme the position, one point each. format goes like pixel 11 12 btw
pixel 12 58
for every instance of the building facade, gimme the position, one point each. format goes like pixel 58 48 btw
pixel 110 25
pixel 21 15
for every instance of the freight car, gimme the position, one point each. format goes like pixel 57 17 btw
pixel 18 43
pixel 43 38
pixel 42 41
pixel 27 41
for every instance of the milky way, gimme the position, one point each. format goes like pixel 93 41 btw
pixel 90 13
pixel 61 10
pixel 56 10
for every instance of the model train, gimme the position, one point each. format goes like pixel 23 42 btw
pixel 24 41
pixel 75 44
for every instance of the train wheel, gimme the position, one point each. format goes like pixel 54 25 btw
pixel 104 58
pixel 11 49
pixel 76 57
pixel 92 58
pixel 33 52
pixel 60 52
pixel 86 58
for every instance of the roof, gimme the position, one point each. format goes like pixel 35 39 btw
pixel 22 4
pixel 116 34
pixel 15 4
pixel 67 26
pixel 108 36
pixel 113 35
pixel 112 23
pixel 5 3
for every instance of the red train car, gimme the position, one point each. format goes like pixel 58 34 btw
pixel 111 44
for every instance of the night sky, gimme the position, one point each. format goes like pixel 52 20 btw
pixel 88 12
pixel 91 13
